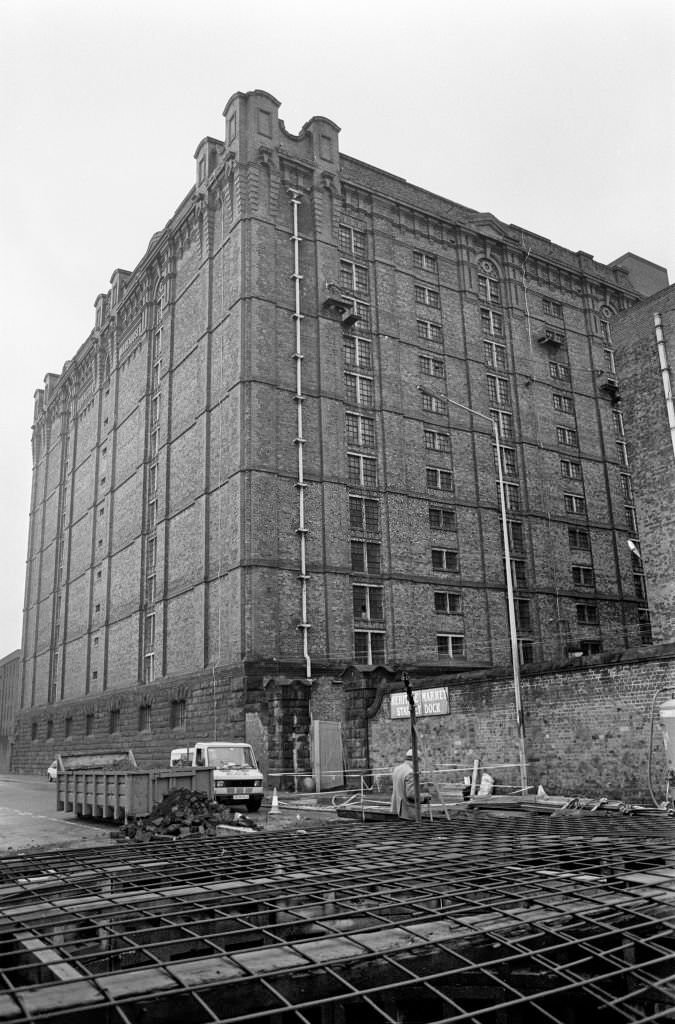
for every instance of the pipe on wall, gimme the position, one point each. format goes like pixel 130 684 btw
pixel 301 531
pixel 665 375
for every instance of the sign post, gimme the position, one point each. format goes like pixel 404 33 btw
pixel 413 737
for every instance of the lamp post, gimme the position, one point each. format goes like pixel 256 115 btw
pixel 515 660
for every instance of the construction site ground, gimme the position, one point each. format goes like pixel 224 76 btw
pixel 483 915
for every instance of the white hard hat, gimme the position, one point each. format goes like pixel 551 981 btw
pixel 409 753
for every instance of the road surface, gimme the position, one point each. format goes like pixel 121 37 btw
pixel 29 819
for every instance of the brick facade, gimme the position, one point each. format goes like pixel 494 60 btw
pixel 217 424
pixel 645 375
pixel 10 698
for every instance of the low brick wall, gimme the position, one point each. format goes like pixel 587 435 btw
pixel 588 729
pixel 85 725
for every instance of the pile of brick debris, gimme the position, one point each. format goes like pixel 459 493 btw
pixel 183 813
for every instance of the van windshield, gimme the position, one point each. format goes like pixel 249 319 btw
pixel 222 756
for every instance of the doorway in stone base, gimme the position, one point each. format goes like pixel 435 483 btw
pixel 327 755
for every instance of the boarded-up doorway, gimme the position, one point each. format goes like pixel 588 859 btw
pixel 327 757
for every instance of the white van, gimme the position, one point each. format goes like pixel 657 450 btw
pixel 236 776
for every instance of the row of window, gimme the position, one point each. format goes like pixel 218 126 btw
pixel 353 241
pixel 177 720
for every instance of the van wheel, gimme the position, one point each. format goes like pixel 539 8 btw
pixel 253 803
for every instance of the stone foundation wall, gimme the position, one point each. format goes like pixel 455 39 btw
pixel 588 730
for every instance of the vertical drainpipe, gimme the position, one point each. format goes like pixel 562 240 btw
pixel 300 440
pixel 665 376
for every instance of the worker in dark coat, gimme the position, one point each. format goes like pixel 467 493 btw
pixel 403 789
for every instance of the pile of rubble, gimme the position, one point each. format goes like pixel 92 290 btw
pixel 182 813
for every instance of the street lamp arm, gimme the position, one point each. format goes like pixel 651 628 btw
pixel 451 401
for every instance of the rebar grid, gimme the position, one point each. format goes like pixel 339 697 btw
pixel 481 918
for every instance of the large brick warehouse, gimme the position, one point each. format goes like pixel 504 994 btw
pixel 252 482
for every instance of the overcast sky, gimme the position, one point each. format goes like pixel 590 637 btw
pixel 556 115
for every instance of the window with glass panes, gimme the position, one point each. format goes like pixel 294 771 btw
pixel 450 645
pixel 552 308
pixel 144 713
pixel 432 403
pixel 444 560
pixel 368 602
pixel 516 536
pixel 360 429
pixel 494 355
pixel 558 371
pixel 582 575
pixel 574 504
pixel 353 277
pixel 509 466
pixel 435 441
pixel 352 240
pixel 491 322
pixel 425 261
pixel 359 390
pixel 429 331
pixel 177 714
pixel 364 514
pixel 362 312
pixel 570 469
pixel 362 470
pixel 579 539
pixel 622 452
pixel 512 497
pixel 368 646
pixel 523 615
pixel 567 436
pixel 149 647
pixel 442 518
pixel 447 602
pixel 439 479
pixel 587 614
pixel 427 296
pixel 488 290
pixel 358 352
pixel 365 556
pixel 432 367
pixel 498 390
pixel 504 422
pixel 525 651
pixel 562 403
pixel 631 519
pixel 626 486
pixel 617 420
pixel 639 586
pixel 518 573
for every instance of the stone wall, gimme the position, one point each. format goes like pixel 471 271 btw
pixel 190 708
pixel 588 729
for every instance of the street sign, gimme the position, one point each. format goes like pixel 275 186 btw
pixel 427 702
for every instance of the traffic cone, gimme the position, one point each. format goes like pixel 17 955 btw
pixel 274 809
